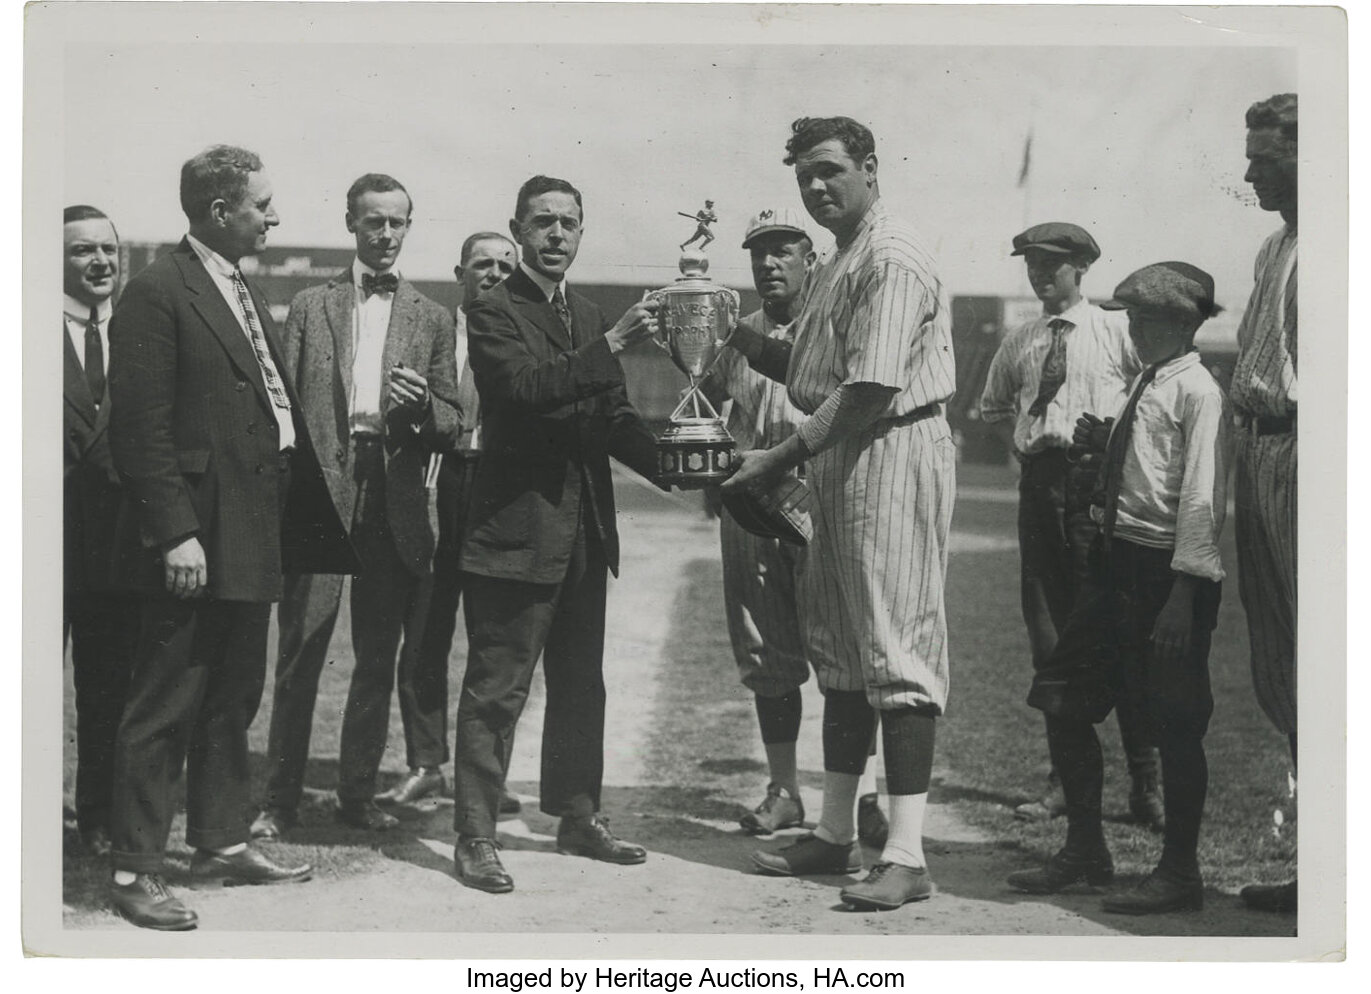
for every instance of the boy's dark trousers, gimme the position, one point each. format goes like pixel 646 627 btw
pixel 1104 658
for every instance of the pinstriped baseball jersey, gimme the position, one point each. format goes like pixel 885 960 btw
pixel 762 415
pixel 876 312
pixel 1264 378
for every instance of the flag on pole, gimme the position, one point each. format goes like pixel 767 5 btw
pixel 1027 158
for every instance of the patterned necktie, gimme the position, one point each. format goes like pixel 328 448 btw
pixel 1054 368
pixel 563 312
pixel 276 390
pixel 1116 452
pixel 95 358
pixel 379 283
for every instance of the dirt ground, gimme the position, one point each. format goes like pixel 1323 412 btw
pixel 683 762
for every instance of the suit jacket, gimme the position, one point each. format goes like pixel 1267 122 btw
pixel 196 445
pixel 318 352
pixel 552 415
pixel 90 487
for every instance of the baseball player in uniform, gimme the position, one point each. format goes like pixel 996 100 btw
pixel 1074 359
pixel 1265 398
pixel 871 366
pixel 763 576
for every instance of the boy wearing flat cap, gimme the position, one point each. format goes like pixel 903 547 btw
pixel 1073 359
pixel 1139 634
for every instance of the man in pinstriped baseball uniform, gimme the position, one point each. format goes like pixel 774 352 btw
pixel 762 576
pixel 871 365
pixel 1265 396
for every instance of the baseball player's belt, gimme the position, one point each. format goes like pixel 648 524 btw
pixel 914 416
pixel 1264 424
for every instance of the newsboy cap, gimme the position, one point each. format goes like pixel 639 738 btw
pixel 774 219
pixel 1177 287
pixel 1057 236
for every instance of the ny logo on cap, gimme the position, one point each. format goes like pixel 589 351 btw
pixel 765 215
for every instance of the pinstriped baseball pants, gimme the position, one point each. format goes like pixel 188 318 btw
pixel 1265 498
pixel 874 613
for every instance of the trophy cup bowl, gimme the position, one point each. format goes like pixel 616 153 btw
pixel 694 314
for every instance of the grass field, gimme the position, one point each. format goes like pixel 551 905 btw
pixel 991 749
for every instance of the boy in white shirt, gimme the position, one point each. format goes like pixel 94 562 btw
pixel 1140 632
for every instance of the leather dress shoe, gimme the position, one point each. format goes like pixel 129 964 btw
pixel 96 841
pixel 888 886
pixel 272 823
pixel 590 836
pixel 365 815
pixel 809 855
pixel 248 867
pixel 148 904
pixel 872 826
pixel 1158 893
pixel 1062 870
pixel 1050 805
pixel 1280 898
pixel 779 809
pixel 414 787
pixel 478 865
pixel 509 804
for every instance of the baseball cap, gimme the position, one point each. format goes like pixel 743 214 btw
pixel 1057 236
pixel 774 219
pixel 781 512
pixel 1167 286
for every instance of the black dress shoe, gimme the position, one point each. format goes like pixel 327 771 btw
pixel 248 867
pixel 509 804
pixel 96 841
pixel 1280 898
pixel 417 785
pixel 272 823
pixel 590 836
pixel 807 855
pixel 1063 870
pixel 148 904
pixel 366 815
pixel 1158 893
pixel 478 865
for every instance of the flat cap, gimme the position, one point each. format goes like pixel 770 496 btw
pixel 1177 287
pixel 774 219
pixel 1057 236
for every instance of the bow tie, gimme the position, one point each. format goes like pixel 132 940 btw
pixel 379 283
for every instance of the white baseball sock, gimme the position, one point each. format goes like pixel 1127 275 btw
pixel 837 824
pixel 906 843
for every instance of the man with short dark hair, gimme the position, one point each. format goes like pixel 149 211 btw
pixel 541 537
pixel 372 359
pixel 1265 396
pixel 224 494
pixel 871 365
pixel 1075 359
pixel 102 621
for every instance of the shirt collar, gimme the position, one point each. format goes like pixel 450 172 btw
pixel 874 212
pixel 359 267
pixel 549 287
pixel 1074 315
pixel 1174 367
pixel 213 261
pixel 80 312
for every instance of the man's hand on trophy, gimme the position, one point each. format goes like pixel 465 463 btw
pixel 639 324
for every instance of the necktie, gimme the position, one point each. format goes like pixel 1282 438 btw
pixel 563 312
pixel 1117 450
pixel 1054 368
pixel 95 358
pixel 276 390
pixel 379 283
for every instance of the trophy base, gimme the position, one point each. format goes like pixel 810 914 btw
pixel 694 453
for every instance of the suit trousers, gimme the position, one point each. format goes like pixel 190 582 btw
pixel 197 680
pixel 387 600
pixel 1055 535
pixel 509 623
pixel 104 640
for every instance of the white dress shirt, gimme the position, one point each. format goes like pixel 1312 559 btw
pixel 221 272
pixel 1175 473
pixel 370 322
pixel 473 443
pixel 549 287
pixel 76 315
pixel 1100 363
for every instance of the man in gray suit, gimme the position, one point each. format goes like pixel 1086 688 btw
pixel 372 360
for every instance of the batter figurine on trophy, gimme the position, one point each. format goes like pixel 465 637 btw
pixel 703 219
pixel 695 315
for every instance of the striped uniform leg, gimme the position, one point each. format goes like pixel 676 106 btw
pixel 760 590
pixel 1267 551
pixel 885 509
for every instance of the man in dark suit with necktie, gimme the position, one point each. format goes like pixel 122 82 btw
pixel 487 257
pixel 223 494
pixel 103 622
pixel 372 360
pixel 541 538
